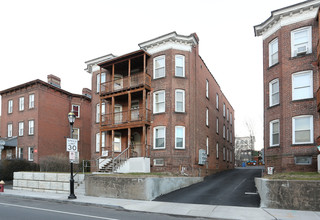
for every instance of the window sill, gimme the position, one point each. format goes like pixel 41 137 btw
pixel 300 56
pixel 273 106
pixel 179 148
pixel 270 67
pixel 180 112
pixel 272 147
pixel 302 100
pixel 159 113
pixel 179 77
pixel 158 148
pixel 162 77
pixel 303 144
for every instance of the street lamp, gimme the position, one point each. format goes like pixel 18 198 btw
pixel 71 118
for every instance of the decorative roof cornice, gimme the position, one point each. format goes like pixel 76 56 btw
pixel 287 15
pixel 91 63
pixel 170 41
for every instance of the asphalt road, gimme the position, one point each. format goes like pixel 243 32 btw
pixel 231 188
pixel 12 208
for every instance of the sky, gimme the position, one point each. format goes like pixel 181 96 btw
pixel 42 37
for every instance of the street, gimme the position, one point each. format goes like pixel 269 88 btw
pixel 231 188
pixel 12 208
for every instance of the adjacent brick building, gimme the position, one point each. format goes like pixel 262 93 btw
pixel 291 80
pixel 162 102
pixel 34 121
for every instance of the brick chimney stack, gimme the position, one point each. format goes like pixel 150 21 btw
pixel 54 80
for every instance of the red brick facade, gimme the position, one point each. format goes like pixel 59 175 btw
pixel 193 119
pixel 285 155
pixel 48 112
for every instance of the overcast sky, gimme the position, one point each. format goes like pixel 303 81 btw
pixel 42 37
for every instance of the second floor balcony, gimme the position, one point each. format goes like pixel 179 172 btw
pixel 133 117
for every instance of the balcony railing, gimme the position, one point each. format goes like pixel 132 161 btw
pixel 133 81
pixel 125 117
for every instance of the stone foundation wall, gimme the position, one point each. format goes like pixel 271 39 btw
pixel 289 194
pixel 146 188
pixel 44 182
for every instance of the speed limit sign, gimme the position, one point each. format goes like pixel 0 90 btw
pixel 72 145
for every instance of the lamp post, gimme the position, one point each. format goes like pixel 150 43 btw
pixel 71 118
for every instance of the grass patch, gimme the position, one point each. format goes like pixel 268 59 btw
pixel 295 176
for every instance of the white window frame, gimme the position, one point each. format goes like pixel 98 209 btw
pixel 207 145
pixel 21 104
pixel 183 137
pixel 217 101
pixel 273 51
pixel 76 131
pixel 30 153
pixel 154 137
pixel 217 125
pixel 21 128
pixel 224 132
pixel 75 105
pixel 10 106
pixel 308 160
pixel 159 102
pixel 217 150
pixel 231 118
pixel 309 75
pixel 20 153
pixel 271 133
pixel 224 110
pixel 31 101
pixel 273 93
pixel 207 88
pixel 183 100
pixel 307 43
pixel 162 57
pixel 98 111
pixel 31 127
pixel 178 56
pixel 97 142
pixel 224 153
pixel 10 129
pixel 227 114
pixel 310 127
pixel 207 116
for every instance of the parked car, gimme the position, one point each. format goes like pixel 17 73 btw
pixel 252 163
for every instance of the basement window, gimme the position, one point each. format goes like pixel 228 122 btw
pixel 158 162
pixel 303 160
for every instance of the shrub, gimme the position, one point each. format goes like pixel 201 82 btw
pixel 55 163
pixel 9 166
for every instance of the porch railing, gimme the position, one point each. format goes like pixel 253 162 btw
pixel 123 117
pixel 123 156
pixel 135 80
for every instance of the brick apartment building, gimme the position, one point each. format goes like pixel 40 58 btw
pixel 161 102
pixel 291 81
pixel 34 120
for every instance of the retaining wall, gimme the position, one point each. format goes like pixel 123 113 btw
pixel 146 188
pixel 289 194
pixel 45 182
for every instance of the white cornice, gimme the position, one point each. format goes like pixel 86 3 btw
pixel 170 41
pixel 92 64
pixel 286 16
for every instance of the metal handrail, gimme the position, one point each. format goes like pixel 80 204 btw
pixel 119 157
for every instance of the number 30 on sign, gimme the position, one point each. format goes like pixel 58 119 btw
pixel 72 145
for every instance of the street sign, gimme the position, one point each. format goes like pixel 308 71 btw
pixel 72 145
pixel 74 157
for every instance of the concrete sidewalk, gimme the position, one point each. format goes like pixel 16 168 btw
pixel 180 209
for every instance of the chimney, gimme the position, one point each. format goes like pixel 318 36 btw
pixel 86 92
pixel 54 80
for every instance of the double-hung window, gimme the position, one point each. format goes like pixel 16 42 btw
pixel 76 110
pixel 159 65
pixel 224 110
pixel 159 137
pixel 217 125
pixel 273 52
pixel 117 142
pixel 30 153
pixel 207 145
pixel 10 130
pixel 302 85
pixel 274 133
pixel 103 109
pixel 207 116
pixel 103 80
pixel 180 137
pixel 274 97
pixel 10 106
pixel 217 150
pixel 159 102
pixel 301 41
pixel 302 129
pixel 21 126
pixel 21 103
pixel 31 101
pixel 31 127
pixel 217 101
pixel 179 100
pixel 207 88
pixel 180 66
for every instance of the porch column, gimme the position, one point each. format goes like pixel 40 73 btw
pixel 143 141
pixel 144 68
pixel 129 73
pixel 144 100
pixel 129 106
pixel 112 110
pixel 112 79
pixel 129 143
pixel 112 143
